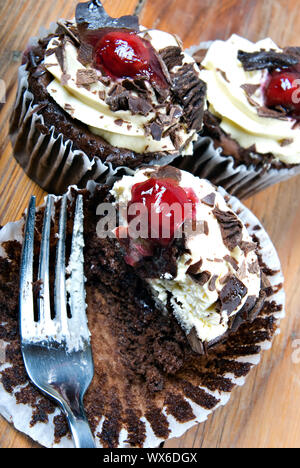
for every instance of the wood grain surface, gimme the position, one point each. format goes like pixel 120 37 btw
pixel 265 412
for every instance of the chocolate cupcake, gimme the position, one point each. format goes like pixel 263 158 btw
pixel 250 138
pixel 154 376
pixel 194 253
pixel 152 380
pixel 100 96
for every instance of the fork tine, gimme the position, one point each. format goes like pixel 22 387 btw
pixel 60 296
pixel 26 275
pixel 43 274
pixel 75 283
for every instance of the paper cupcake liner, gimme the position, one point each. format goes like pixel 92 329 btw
pixel 238 362
pixel 240 180
pixel 51 160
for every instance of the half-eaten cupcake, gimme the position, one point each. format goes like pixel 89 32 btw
pixel 192 250
pixel 101 94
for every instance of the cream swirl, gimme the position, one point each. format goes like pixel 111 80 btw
pixel 206 273
pixel 225 76
pixel 87 102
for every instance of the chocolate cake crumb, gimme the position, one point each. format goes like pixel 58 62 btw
pixel 199 396
pixel 178 407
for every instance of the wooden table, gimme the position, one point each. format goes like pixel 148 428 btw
pixel 266 411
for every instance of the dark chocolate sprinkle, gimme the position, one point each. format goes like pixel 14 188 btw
pixel 189 91
pixel 232 294
pixel 172 56
pixel 231 227
pixel 266 59
pixel 209 199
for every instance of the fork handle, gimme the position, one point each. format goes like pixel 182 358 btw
pixel 82 434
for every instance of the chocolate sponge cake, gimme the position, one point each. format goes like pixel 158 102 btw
pixel 149 383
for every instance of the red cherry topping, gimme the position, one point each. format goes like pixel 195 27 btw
pixel 122 54
pixel 281 90
pixel 167 207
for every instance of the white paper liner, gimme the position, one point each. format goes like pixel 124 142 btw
pixel 50 160
pixel 239 180
pixel 20 415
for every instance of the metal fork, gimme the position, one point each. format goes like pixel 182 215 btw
pixel 56 346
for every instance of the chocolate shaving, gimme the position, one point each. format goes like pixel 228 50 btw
pixel 232 261
pixel 223 74
pixel 121 99
pixel 258 306
pixel 263 111
pixel 172 56
pixel 60 55
pixel 206 229
pixel 64 79
pixel 139 105
pixel 176 139
pixel 266 59
pixel 253 268
pixel 201 278
pixel 156 131
pixel 69 108
pixel 91 16
pixel 232 294
pixel 189 91
pixel 242 272
pixel 199 56
pixel 212 283
pixel 271 113
pixel 137 85
pixel 250 89
pixel 118 98
pixel 166 172
pixel 85 54
pixel 69 29
pixel 193 269
pixel 247 247
pixel 195 342
pixel 86 77
pixel 231 228
pixel 209 199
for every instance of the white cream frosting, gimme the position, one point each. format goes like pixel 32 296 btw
pixel 85 104
pixel 195 305
pixel 229 102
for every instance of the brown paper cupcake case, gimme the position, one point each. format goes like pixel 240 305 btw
pixel 219 372
pixel 239 180
pixel 51 160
